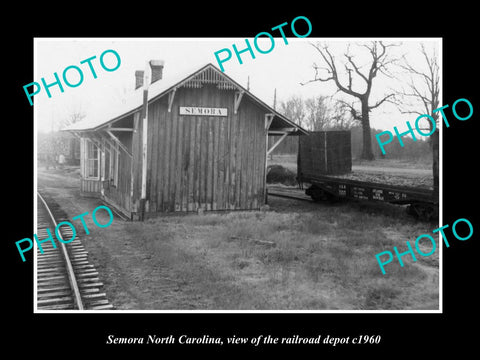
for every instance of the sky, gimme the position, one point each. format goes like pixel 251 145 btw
pixel 284 68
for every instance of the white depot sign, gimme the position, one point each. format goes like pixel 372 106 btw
pixel 203 111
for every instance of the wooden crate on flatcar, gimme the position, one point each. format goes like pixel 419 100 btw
pixel 325 153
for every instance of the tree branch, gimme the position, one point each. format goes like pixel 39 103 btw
pixel 351 109
pixel 330 61
pixel 379 61
pixel 425 92
pixel 317 78
pixel 411 112
pixel 357 70
pixel 386 98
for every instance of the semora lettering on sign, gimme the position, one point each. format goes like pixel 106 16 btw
pixel 205 111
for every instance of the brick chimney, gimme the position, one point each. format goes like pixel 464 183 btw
pixel 157 70
pixel 138 79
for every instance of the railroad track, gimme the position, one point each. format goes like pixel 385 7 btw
pixel 291 193
pixel 65 279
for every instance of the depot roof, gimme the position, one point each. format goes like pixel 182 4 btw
pixel 160 88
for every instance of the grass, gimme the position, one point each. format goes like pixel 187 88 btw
pixel 420 163
pixel 289 161
pixel 268 260
pixel 301 256
pixel 306 256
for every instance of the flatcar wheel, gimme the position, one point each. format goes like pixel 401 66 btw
pixel 412 211
pixel 317 194
pixel 428 212
pixel 421 211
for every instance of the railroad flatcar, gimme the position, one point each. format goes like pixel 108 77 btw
pixel 322 155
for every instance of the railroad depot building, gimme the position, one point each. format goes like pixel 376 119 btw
pixel 203 145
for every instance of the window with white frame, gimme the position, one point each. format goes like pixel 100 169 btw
pixel 92 160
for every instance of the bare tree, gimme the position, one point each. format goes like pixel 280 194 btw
pixel 317 113
pixel 294 109
pixel 422 97
pixel 343 116
pixel 75 116
pixel 380 60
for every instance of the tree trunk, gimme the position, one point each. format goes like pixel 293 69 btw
pixel 367 153
pixel 435 157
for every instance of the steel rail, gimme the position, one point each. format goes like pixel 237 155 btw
pixel 71 274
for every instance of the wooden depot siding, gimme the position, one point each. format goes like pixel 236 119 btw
pixel 209 162
pixel 120 194
pixel 90 187
pixel 116 192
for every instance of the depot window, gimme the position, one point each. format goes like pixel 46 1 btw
pixel 92 161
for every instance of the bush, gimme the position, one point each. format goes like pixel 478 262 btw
pixel 277 174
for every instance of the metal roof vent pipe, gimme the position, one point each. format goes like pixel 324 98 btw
pixel 157 69
pixel 138 79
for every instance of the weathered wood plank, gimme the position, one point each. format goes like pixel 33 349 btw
pixel 227 160
pixel 172 161
pixel 162 133
pixel 250 163
pixel 255 165
pixel 233 157
pixel 191 166
pixel 197 162
pixel 153 143
pixel 238 174
pixel 179 164
pixel 166 163
pixel 203 160
pixel 221 164
pixel 184 169
pixel 215 171
pixel 209 167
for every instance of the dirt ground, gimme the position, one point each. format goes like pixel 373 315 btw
pixel 392 170
pixel 297 255
pixel 384 171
